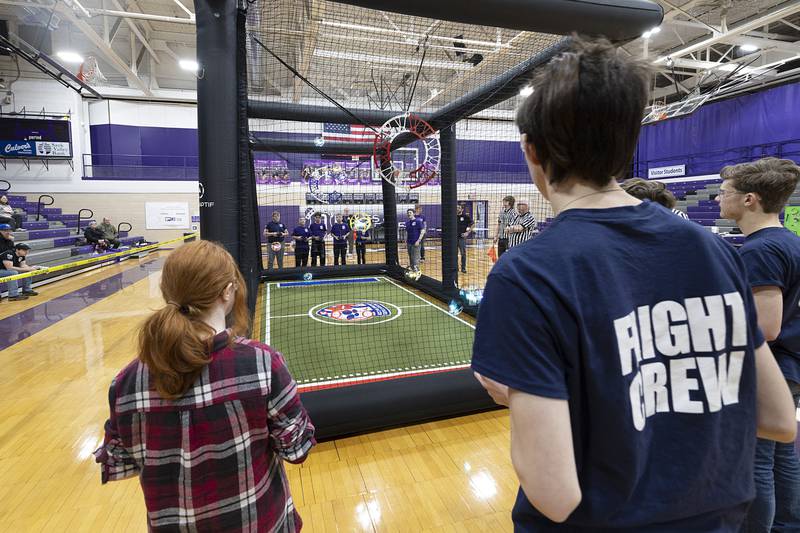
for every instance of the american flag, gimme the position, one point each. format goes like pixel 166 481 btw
pixel 355 133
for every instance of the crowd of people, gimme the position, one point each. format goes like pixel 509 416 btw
pixel 309 239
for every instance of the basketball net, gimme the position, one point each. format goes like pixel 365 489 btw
pixel 89 73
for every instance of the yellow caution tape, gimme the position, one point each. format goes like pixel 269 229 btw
pixel 99 259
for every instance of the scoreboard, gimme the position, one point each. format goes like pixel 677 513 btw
pixel 34 138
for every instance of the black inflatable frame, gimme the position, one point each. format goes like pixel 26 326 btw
pixel 228 203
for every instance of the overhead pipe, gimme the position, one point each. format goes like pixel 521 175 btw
pixel 617 20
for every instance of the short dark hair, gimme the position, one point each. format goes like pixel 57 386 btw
pixel 410 211
pixel 510 200
pixel 586 111
pixel 773 179
pixel 317 214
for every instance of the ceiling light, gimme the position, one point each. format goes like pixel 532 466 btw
pixel 189 64
pixel 69 57
pixel 526 91
pixel 748 48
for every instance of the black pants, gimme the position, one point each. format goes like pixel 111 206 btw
pixel 361 253
pixel 339 251
pixel 300 257
pixel 502 246
pixel 318 251
pixel 15 221
pixel 422 249
pixel 113 243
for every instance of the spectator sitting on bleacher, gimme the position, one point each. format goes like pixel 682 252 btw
pixel 7 214
pixel 12 262
pixel 95 237
pixel 109 233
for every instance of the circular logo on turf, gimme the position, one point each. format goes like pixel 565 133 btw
pixel 354 312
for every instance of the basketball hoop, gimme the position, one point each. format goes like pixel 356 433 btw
pixel 89 73
pixel 382 152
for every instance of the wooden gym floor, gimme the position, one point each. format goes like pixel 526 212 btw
pixel 61 350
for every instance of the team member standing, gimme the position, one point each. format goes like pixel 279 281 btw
pixel 275 232
pixel 421 218
pixel 635 373
pixel 415 232
pixel 465 225
pixel 318 234
pixel 205 417
pixel 753 194
pixel 341 233
pixel 361 246
pixel 348 219
pixel 522 226
pixel 301 234
pixel 503 221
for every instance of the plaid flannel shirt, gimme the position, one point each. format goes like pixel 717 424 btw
pixel 211 460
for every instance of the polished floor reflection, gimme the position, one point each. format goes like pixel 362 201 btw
pixel 65 347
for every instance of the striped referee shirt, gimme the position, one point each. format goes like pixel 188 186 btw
pixel 680 213
pixel 528 222
pixel 504 220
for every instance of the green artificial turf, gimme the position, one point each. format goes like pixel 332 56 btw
pixel 418 338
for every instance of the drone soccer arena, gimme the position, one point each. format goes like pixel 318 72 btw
pixel 323 114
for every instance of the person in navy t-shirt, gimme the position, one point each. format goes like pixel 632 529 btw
pixel 753 194
pixel 341 233
pixel 275 232
pixel 415 231
pixel 301 235
pixel 629 366
pixel 318 234
pixel 420 217
pixel 361 246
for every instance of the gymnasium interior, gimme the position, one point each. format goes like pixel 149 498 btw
pixel 168 121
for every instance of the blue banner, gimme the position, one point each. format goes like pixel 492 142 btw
pixel 17 148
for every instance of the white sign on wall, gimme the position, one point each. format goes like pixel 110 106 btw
pixel 666 172
pixel 167 215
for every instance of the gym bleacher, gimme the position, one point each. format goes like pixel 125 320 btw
pixel 55 237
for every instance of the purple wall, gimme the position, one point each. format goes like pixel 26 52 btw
pixel 731 131
pixel 142 153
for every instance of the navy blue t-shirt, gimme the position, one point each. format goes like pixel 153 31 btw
pixel 318 230
pixel 772 258
pixel 413 229
pixel 305 233
pixel 275 227
pixel 339 232
pixel 646 326
pixel 361 236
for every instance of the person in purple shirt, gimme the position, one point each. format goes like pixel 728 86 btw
pixel 415 231
pixel 300 235
pixel 341 232
pixel 419 216
pixel 318 234
pixel 753 194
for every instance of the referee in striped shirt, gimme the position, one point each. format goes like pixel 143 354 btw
pixel 523 226
pixel 503 221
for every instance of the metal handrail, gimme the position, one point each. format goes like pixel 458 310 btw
pixel 39 205
pixel 81 217
pixel 7 188
pixel 119 226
